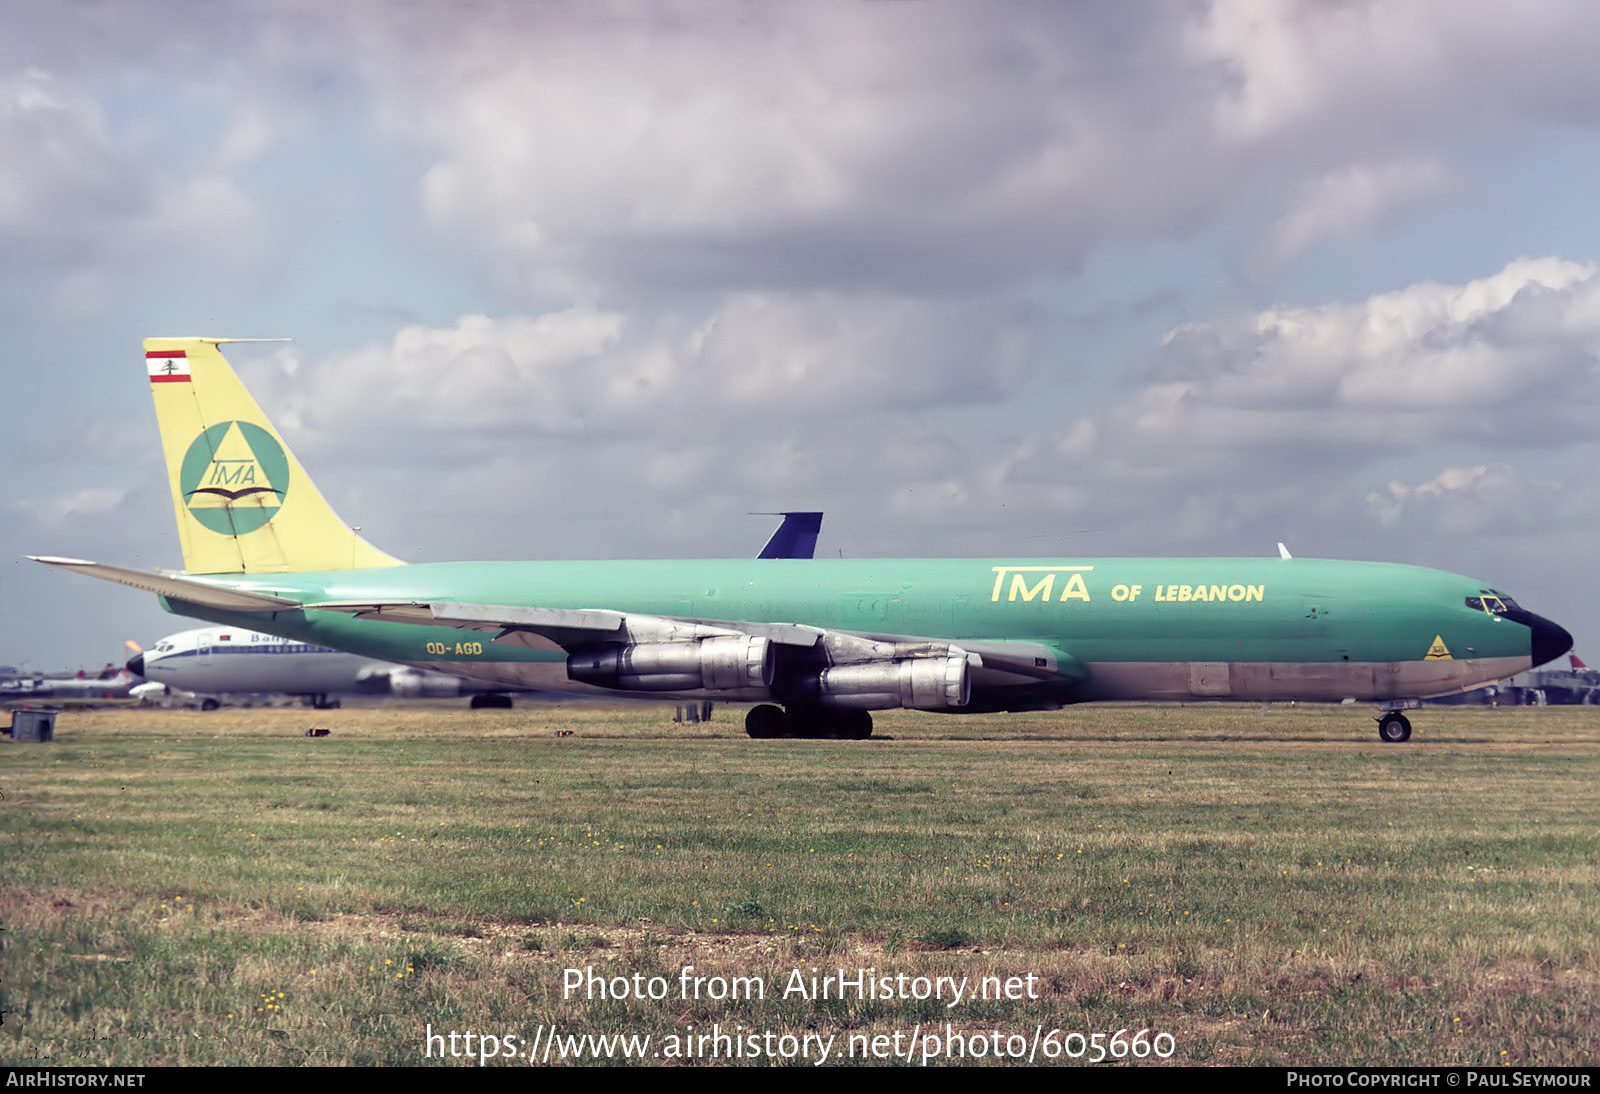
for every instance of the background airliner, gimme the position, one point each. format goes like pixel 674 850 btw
pixel 110 684
pixel 215 661
pixel 817 644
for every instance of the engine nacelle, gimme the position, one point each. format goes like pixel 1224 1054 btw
pixel 922 683
pixel 413 684
pixel 720 663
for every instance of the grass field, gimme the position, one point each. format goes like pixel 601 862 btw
pixel 1265 888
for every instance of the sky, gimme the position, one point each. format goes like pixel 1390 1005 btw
pixel 599 279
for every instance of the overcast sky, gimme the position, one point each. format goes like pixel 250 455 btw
pixel 594 280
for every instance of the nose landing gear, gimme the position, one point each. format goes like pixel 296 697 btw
pixel 1394 728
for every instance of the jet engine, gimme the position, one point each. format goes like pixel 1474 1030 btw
pixel 721 663
pixel 921 683
pixel 412 684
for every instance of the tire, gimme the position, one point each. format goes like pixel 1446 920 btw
pixel 1394 728
pixel 766 722
pixel 855 725
pixel 820 723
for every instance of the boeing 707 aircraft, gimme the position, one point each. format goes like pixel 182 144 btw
pixel 816 644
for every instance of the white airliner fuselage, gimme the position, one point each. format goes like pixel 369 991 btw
pixel 215 661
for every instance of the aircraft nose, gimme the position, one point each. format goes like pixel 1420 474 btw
pixel 136 664
pixel 1549 640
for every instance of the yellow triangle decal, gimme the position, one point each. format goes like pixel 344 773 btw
pixel 1438 651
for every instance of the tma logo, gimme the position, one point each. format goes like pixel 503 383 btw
pixel 234 478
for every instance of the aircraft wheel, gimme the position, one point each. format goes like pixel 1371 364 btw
pixel 829 723
pixel 1394 728
pixel 490 701
pixel 766 722
pixel 816 723
pixel 209 704
pixel 855 725
pixel 807 723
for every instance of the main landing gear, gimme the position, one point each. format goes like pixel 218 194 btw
pixel 1393 727
pixel 767 721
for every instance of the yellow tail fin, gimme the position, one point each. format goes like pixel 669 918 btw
pixel 243 503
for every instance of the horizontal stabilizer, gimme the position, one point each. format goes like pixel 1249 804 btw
pixel 180 588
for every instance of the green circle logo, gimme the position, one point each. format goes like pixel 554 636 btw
pixel 234 478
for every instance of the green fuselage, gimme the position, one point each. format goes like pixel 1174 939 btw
pixel 1156 628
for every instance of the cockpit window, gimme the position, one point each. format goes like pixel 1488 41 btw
pixel 1511 605
pixel 1492 602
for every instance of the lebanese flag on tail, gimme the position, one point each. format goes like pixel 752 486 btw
pixel 168 366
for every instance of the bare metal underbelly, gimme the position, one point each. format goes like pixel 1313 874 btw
pixel 1125 680
pixel 552 676
pixel 1282 680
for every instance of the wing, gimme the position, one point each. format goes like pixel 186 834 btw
pixel 744 659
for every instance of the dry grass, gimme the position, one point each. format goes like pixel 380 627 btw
pixel 178 887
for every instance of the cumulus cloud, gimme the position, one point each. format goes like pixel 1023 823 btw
pixel 1462 499
pixel 1347 202
pixel 1239 426
pixel 591 153
pixel 1418 366
pixel 1246 425
pixel 1369 73
pixel 78 196
pixel 756 358
pixel 480 373
pixel 1488 500
pixel 60 166
pixel 791 146
pixel 54 514
pixel 909 147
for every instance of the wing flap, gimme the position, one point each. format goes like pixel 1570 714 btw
pixel 1027 660
pixel 568 627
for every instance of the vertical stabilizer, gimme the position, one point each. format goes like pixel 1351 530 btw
pixel 243 503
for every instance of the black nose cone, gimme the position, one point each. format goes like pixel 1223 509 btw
pixel 136 664
pixel 1549 641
